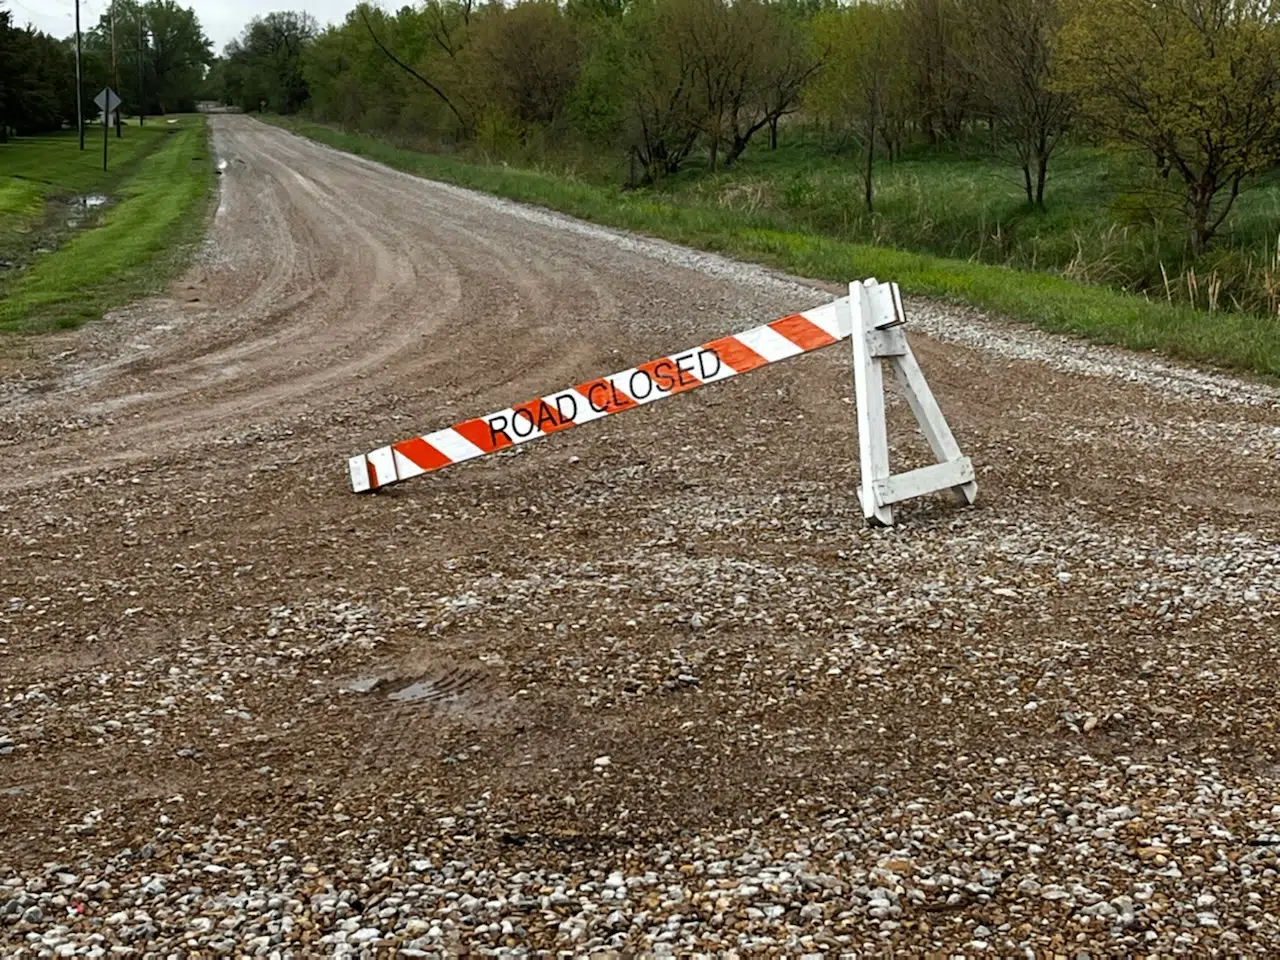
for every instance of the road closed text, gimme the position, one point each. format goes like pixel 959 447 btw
pixel 673 374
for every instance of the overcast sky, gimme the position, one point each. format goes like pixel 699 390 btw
pixel 222 19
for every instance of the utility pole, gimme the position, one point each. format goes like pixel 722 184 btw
pixel 115 62
pixel 79 93
pixel 142 95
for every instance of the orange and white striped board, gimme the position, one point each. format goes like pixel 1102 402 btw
pixel 626 390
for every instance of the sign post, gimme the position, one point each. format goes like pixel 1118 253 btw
pixel 107 101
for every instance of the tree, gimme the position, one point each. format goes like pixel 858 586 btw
pixel 783 60
pixel 8 74
pixel 1195 83
pixel 265 62
pixel 792 62
pixel 180 52
pixel 444 27
pixel 37 80
pixel 529 57
pixel 719 47
pixel 864 79
pixel 1012 61
pixel 157 58
pixel 341 69
pixel 935 47
pixel 640 89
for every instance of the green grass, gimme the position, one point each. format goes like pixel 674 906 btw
pixel 159 185
pixel 1109 219
pixel 689 212
pixel 55 163
pixel 20 197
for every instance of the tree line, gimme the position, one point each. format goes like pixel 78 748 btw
pixel 154 55
pixel 1195 84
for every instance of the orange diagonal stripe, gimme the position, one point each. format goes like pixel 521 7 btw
pixel 478 432
pixel 603 398
pixel 736 354
pixel 802 332
pixel 542 415
pixel 422 453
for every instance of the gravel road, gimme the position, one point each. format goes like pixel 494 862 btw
pixel 645 687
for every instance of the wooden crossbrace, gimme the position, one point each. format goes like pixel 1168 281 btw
pixel 876 320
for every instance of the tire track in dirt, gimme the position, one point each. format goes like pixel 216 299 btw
pixel 317 274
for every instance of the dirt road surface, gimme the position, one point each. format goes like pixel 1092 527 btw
pixel 645 687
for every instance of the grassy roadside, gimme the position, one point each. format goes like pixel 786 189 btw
pixel 1110 219
pixel 1237 341
pixel 36 169
pixel 161 190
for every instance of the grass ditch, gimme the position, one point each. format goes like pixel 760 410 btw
pixel 157 192
pixel 1233 340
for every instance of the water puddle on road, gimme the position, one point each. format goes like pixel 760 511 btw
pixel 83 206
pixel 449 688
pixel 416 692
pixel 362 684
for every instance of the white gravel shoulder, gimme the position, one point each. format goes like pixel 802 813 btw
pixel 945 322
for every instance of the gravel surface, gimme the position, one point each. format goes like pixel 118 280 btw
pixel 650 686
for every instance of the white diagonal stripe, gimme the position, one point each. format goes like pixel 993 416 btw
pixel 405 468
pixel 586 413
pixel 827 317
pixel 453 445
pixel 769 343
pixel 359 470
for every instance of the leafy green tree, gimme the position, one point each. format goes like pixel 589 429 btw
pixel 1011 60
pixel 266 62
pixel 155 55
pixel 529 58
pixel 638 90
pixel 179 54
pixel 936 43
pixel 1195 83
pixel 342 68
pixel 791 61
pixel 431 46
pixel 865 77
pixel 721 45
pixel 664 109
pixel 9 74
pixel 37 80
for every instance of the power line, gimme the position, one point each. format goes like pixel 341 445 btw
pixel 35 18
pixel 36 13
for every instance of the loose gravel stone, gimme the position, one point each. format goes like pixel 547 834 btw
pixel 650 687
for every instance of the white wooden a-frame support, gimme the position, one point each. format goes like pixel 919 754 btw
pixel 877 318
